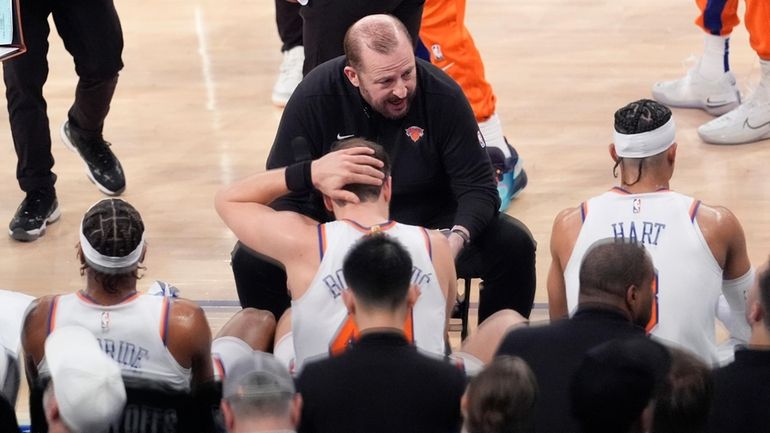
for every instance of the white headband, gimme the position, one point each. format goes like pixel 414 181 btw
pixel 109 264
pixel 646 143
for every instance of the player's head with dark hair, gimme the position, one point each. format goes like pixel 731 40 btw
pixel 644 116
pixel 683 403
pixel 379 33
pixel 619 272
pixel 366 192
pixel 501 398
pixel 378 271
pixel 758 302
pixel 112 243
pixel 615 384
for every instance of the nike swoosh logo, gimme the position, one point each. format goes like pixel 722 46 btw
pixel 746 123
pixel 447 66
pixel 717 103
pixel 342 137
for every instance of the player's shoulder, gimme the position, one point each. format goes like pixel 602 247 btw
pixel 716 218
pixel 568 221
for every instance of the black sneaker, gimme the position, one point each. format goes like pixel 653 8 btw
pixel 102 167
pixel 37 210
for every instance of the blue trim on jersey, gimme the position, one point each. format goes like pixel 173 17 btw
pixel 54 301
pixel 583 212
pixel 712 16
pixel 726 58
pixel 695 212
pixel 165 320
pixel 320 241
pixel 427 240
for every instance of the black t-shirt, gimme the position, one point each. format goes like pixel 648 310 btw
pixel 441 172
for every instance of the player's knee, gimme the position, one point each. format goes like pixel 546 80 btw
pixel 257 318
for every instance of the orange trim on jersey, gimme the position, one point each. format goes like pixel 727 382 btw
pixel 52 314
pixel 218 366
pixel 373 229
pixel 654 314
pixel 164 313
pixel 348 334
pixel 409 326
pixel 694 209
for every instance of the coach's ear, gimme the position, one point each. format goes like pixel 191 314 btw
pixel 352 75
pixel 613 152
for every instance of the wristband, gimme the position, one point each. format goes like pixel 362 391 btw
pixel 298 178
pixel 466 239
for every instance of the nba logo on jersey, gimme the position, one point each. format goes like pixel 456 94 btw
pixel 105 321
pixel 414 132
pixel 437 54
pixel 637 205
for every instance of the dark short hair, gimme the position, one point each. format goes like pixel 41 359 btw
pixel 611 265
pixel 763 280
pixel 378 269
pixel 501 398
pixel 682 405
pixel 615 382
pixel 380 36
pixel 113 228
pixel 365 192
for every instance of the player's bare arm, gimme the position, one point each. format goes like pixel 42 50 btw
pixel 189 339
pixel 33 335
pixel 724 236
pixel 288 236
pixel 443 262
pixel 566 227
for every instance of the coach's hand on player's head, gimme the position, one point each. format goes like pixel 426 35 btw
pixel 333 171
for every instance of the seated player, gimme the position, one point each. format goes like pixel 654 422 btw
pixel 312 254
pixel 381 384
pixel 699 251
pixel 161 343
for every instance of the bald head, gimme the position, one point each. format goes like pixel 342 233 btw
pixel 379 33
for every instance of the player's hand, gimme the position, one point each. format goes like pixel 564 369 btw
pixel 336 169
pixel 456 244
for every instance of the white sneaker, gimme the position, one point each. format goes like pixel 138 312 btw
pixel 289 76
pixel 748 123
pixel 693 91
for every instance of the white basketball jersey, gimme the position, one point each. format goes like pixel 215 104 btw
pixel 319 317
pixel 13 306
pixel 688 277
pixel 133 333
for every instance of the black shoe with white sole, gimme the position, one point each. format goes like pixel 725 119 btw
pixel 39 208
pixel 102 167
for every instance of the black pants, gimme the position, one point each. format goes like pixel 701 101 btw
pixel 503 257
pixel 326 21
pixel 91 32
pixel 289 24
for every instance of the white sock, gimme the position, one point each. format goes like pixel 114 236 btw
pixel 714 62
pixel 764 68
pixel 493 134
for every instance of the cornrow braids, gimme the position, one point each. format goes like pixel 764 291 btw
pixel 113 228
pixel 637 117
pixel 641 116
